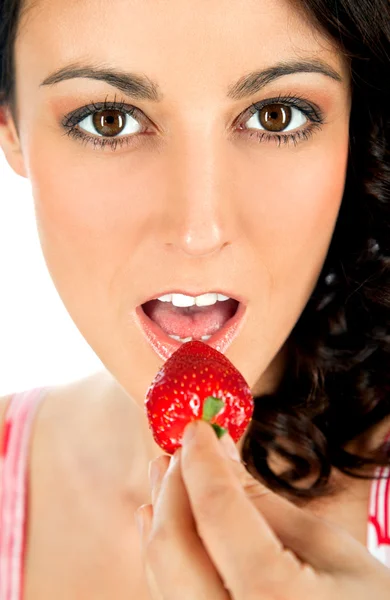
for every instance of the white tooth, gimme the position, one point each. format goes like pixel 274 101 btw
pixel 205 338
pixel 179 339
pixel 166 298
pixel 182 301
pixel 222 298
pixel 206 300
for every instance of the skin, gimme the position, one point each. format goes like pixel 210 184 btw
pixel 164 212
pixel 197 204
pixel 215 532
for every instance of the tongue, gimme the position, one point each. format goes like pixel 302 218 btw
pixel 194 321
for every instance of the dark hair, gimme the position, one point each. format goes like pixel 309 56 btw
pixel 337 382
pixel 10 11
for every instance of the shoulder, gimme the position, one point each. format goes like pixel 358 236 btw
pixel 59 398
pixel 70 404
pixel 80 422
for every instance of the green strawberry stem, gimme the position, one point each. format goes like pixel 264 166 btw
pixel 211 407
pixel 220 431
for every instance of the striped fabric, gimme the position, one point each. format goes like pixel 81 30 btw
pixel 13 500
pixel 378 533
pixel 13 484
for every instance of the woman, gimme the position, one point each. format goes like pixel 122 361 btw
pixel 240 149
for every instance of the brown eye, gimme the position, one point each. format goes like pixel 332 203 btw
pixel 275 117
pixel 108 122
pixel 111 123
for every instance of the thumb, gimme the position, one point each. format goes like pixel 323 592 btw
pixel 314 540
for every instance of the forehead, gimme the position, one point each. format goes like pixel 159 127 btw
pixel 197 43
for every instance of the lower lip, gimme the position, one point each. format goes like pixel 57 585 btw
pixel 165 346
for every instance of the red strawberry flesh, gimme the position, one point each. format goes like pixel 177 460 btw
pixel 178 393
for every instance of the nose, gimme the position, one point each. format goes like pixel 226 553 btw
pixel 199 207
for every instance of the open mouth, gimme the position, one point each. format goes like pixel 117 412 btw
pixel 193 322
pixel 166 326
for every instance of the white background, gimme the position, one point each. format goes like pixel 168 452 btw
pixel 39 343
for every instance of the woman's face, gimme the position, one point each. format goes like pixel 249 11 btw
pixel 205 195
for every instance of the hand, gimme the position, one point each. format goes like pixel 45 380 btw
pixel 214 532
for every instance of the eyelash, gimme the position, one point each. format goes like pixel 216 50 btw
pixel 313 113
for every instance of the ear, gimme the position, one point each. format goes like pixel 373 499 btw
pixel 10 143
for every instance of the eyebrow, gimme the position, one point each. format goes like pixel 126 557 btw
pixel 141 87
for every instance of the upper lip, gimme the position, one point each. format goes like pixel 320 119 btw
pixel 195 293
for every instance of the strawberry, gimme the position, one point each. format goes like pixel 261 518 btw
pixel 197 382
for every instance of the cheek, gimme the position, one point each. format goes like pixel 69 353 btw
pixel 297 214
pixel 84 202
pixel 295 230
pixel 292 217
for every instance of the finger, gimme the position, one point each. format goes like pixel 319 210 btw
pixel 174 551
pixel 144 519
pixel 144 522
pixel 247 553
pixel 157 469
pixel 314 540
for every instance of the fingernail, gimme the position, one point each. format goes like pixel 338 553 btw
pixel 154 473
pixel 189 432
pixel 140 520
pixel 229 447
pixel 175 458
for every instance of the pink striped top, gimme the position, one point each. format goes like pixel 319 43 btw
pixel 14 487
